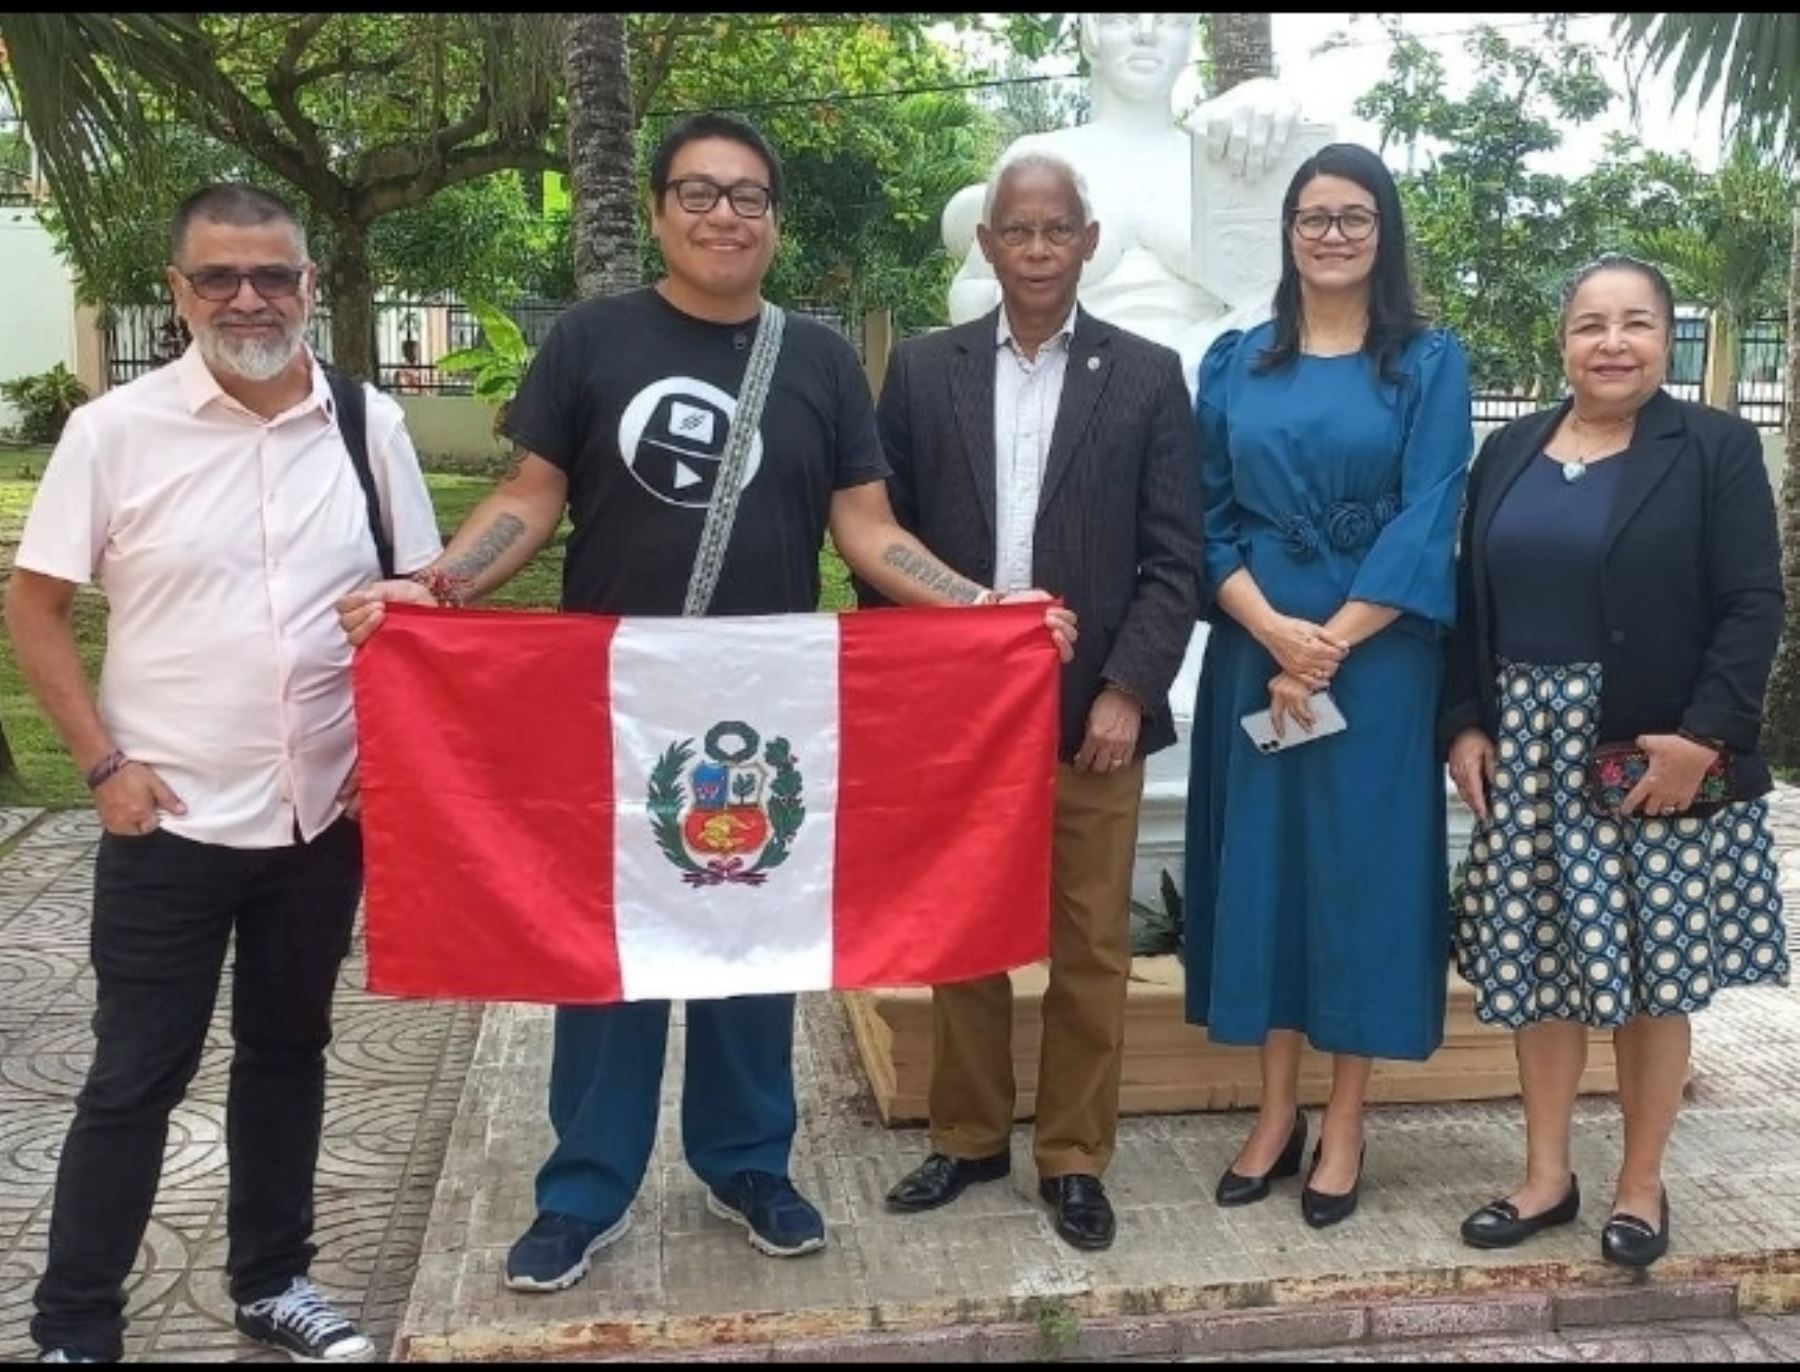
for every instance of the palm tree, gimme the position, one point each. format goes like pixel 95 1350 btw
pixel 1241 47
pixel 1753 60
pixel 602 153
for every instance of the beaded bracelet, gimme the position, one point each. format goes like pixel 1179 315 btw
pixel 106 769
pixel 447 589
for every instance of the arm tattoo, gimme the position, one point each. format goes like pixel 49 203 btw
pixel 505 531
pixel 515 465
pixel 930 573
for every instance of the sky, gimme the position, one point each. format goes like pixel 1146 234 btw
pixel 1331 82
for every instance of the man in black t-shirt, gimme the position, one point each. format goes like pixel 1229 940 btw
pixel 622 421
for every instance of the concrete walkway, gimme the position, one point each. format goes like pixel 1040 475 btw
pixel 395 1075
pixel 986 1277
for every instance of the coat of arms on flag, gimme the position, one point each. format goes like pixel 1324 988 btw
pixel 743 813
pixel 581 809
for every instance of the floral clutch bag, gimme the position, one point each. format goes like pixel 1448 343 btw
pixel 1615 769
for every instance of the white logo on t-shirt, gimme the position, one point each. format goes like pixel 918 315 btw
pixel 672 437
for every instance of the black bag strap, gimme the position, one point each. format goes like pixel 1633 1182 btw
pixel 353 423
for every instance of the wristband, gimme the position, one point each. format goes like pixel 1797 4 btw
pixel 106 769
pixel 447 589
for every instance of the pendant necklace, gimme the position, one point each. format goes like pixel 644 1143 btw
pixel 1574 468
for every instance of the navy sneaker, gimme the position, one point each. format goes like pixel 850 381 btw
pixel 557 1250
pixel 781 1221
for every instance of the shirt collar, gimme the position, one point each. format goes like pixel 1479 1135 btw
pixel 199 387
pixel 1003 333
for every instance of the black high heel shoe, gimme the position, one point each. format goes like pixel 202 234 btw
pixel 1322 1210
pixel 1631 1242
pixel 1236 1189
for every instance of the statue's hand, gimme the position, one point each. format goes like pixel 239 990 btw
pixel 1248 127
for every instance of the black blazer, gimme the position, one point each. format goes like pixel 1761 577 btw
pixel 1691 583
pixel 1118 524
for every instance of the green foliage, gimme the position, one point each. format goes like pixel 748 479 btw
pixel 1752 60
pixel 497 363
pixel 1058 1326
pixel 1156 932
pixel 44 403
pixel 1493 239
pixel 868 173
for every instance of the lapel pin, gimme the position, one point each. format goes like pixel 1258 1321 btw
pixel 1093 364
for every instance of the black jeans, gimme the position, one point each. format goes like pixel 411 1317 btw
pixel 164 910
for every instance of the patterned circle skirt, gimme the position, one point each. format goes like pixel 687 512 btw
pixel 1568 912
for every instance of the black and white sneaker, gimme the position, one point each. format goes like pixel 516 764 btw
pixel 304 1326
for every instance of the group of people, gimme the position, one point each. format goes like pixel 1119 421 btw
pixel 1617 582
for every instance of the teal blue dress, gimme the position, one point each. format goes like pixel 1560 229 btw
pixel 1317 888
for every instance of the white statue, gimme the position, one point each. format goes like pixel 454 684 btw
pixel 1189 221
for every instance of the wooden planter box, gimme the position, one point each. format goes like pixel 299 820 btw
pixel 1171 1066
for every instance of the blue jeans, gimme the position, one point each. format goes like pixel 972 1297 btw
pixel 737 1101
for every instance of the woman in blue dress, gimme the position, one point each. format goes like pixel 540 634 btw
pixel 1335 441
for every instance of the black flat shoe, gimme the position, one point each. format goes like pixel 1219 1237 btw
pixel 1084 1216
pixel 940 1179
pixel 1321 1210
pixel 1631 1242
pixel 1236 1189
pixel 1498 1224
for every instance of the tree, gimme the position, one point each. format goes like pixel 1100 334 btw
pixel 1730 254
pixel 1242 48
pixel 364 115
pixel 1753 62
pixel 602 153
pixel 1493 237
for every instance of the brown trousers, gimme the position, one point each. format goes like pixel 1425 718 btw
pixel 972 1089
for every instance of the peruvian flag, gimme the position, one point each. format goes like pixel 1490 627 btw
pixel 581 809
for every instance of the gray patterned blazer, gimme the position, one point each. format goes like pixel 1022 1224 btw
pixel 1118 524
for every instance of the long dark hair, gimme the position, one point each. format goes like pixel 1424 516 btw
pixel 1394 317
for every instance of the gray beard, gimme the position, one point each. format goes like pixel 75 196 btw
pixel 252 359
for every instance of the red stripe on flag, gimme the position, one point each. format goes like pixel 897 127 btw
pixel 946 790
pixel 486 768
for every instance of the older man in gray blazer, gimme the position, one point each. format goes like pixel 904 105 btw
pixel 1039 446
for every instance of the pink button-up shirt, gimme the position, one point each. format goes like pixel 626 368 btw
pixel 222 540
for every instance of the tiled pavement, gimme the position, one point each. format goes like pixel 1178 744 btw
pixel 683 1278
pixel 395 1074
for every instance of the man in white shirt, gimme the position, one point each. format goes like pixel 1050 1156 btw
pixel 216 503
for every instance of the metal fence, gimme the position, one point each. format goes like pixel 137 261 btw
pixel 412 336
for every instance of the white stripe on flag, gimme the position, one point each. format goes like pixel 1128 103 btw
pixel 678 681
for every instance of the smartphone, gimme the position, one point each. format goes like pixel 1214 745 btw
pixel 1327 720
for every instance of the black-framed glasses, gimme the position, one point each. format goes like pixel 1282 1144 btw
pixel 220 284
pixel 1355 224
pixel 1059 234
pixel 697 195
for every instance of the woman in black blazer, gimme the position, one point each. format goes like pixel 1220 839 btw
pixel 1620 583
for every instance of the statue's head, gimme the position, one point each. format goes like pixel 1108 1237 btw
pixel 1138 56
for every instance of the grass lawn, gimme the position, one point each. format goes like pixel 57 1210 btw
pixel 46 776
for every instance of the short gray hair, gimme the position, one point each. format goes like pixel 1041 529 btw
pixel 236 203
pixel 1034 160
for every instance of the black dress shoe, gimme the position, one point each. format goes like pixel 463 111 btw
pixel 1322 1210
pixel 940 1179
pixel 1084 1216
pixel 1631 1242
pixel 1236 1189
pixel 1498 1224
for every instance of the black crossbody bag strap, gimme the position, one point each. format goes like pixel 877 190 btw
pixel 353 424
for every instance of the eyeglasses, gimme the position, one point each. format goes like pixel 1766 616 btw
pixel 697 195
pixel 1058 235
pixel 1355 224
pixel 220 284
